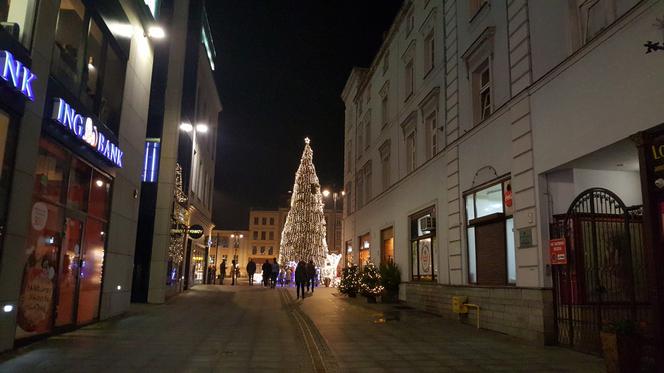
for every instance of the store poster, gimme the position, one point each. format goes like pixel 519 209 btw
pixel 425 257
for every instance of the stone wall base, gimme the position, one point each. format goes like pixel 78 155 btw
pixel 521 312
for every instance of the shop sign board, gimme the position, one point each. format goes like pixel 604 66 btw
pixel 558 251
pixel 17 75
pixel 85 130
pixel 195 231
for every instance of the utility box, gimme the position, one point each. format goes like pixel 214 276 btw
pixel 458 304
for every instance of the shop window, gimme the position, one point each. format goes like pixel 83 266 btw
pixel 422 246
pixel 490 237
pixel 87 61
pixel 387 246
pixel 17 19
pixel 8 132
pixel 62 276
pixel 365 250
pixel 349 253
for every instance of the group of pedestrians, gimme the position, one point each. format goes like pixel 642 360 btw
pixel 305 274
pixel 270 272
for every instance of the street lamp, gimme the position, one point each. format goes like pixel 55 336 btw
pixel 335 196
pixel 237 236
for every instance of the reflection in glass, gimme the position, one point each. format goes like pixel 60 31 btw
pixel 69 40
pixel 111 96
pixel 52 164
pixel 79 185
pixel 511 252
pixel 489 201
pixel 67 272
pixel 100 192
pixel 472 258
pixel 92 262
pixel 92 63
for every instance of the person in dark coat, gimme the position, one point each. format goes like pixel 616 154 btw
pixel 233 271
pixel 251 269
pixel 222 271
pixel 275 273
pixel 300 278
pixel 311 275
pixel 267 272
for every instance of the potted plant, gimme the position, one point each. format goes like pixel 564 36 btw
pixel 370 283
pixel 350 281
pixel 621 345
pixel 391 278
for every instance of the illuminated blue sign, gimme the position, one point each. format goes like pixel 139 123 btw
pixel 17 75
pixel 151 162
pixel 84 129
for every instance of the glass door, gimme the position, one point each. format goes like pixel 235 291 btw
pixel 92 263
pixel 68 268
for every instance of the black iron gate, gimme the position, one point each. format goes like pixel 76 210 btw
pixel 605 279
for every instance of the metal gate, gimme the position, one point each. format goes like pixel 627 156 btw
pixel 605 279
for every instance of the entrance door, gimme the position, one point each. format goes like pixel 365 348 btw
pixel 605 278
pixel 92 262
pixel 68 268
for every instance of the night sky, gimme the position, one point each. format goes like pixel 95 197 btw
pixel 280 69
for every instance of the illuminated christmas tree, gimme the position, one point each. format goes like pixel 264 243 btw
pixel 303 237
pixel 370 283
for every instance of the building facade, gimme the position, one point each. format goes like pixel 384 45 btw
pixel 175 228
pixel 478 136
pixel 73 118
pixel 230 245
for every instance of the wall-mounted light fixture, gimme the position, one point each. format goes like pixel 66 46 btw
pixel 186 127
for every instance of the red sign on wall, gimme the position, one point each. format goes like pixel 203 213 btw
pixel 558 251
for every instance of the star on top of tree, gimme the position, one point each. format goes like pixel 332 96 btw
pixel 306 140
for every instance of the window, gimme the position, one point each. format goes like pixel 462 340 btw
pixel 360 139
pixel 475 6
pixel 224 241
pixel 383 111
pixel 349 156
pixel 89 63
pixel 386 62
pixel 385 164
pixel 263 235
pixel 255 220
pixel 365 249
pixel 262 250
pixel 271 235
pixel 490 237
pixel 482 91
pixel 270 251
pixel 429 52
pixel 359 187
pixel 17 19
pixel 255 235
pixel 409 78
pixel 254 250
pixel 367 183
pixel 432 134
pixel 264 221
pixel 367 135
pixel 410 22
pixel 349 200
pixel 422 246
pixel 387 245
pixel 410 152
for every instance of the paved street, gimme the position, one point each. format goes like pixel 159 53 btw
pixel 229 329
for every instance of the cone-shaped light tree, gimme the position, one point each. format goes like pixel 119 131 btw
pixel 303 237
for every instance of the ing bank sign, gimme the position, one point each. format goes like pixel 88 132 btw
pixel 84 129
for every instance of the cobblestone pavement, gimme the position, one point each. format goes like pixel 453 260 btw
pixel 385 338
pixel 210 328
pixel 236 329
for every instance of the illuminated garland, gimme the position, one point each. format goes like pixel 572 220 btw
pixel 303 236
pixel 178 191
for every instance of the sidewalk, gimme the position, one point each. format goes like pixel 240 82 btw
pixel 368 337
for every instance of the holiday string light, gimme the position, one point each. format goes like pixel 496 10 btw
pixel 303 236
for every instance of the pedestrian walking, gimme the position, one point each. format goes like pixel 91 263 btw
pixel 267 272
pixel 233 272
pixel 311 275
pixel 289 273
pixel 222 271
pixel 251 269
pixel 275 272
pixel 300 278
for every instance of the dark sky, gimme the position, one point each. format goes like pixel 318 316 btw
pixel 281 66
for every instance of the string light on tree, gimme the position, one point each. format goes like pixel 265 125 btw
pixel 303 237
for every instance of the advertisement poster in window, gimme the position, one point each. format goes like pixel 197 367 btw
pixel 425 257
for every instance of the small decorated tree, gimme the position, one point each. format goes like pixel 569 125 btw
pixel 350 281
pixel 370 284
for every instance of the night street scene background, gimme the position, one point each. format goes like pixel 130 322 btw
pixel 332 186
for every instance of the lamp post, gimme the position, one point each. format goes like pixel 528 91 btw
pixel 236 245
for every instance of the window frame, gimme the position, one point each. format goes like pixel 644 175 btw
pixel 471 223
pixel 414 242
